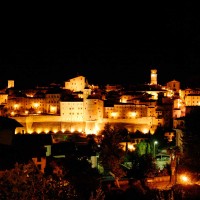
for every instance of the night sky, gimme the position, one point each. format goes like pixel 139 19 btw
pixel 107 47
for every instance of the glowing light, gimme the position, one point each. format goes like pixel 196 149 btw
pixel 46 130
pixel 80 130
pixel 133 114
pixel 114 114
pixel 145 130
pixel 36 105
pixel 96 130
pixel 26 112
pixel 12 113
pixel 88 132
pixel 63 130
pixel 123 100
pixel 16 106
pixel 30 131
pixel 53 109
pixel 131 147
pixel 39 131
pixel 29 95
pixel 184 179
pixel 55 130
pixel 72 130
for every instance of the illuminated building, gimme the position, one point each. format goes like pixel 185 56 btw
pixel 174 86
pixel 192 100
pixel 86 112
pixel 52 102
pixel 3 99
pixel 11 83
pixel 153 77
pixel 76 84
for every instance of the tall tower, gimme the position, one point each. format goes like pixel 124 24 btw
pixel 153 77
pixel 11 83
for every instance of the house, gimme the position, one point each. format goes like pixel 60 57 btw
pixel 35 147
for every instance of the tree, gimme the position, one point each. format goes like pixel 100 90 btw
pixel 92 143
pixel 25 181
pixel 78 171
pixel 143 148
pixel 142 166
pixel 191 140
pixel 111 154
pixel 159 136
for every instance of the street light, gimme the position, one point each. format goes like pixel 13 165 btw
pixel 154 144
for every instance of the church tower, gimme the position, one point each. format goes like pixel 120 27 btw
pixel 153 77
pixel 11 83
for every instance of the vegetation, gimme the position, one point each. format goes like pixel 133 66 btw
pixel 62 180
pixel 191 141
pixel 26 182
pixel 111 154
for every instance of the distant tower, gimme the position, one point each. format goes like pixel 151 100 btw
pixel 11 84
pixel 153 77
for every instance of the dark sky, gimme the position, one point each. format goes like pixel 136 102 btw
pixel 107 47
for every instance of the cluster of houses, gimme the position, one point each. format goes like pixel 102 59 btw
pixel 79 107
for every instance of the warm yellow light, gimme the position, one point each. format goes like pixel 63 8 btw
pixel 55 130
pixel 114 114
pixel 53 109
pixel 36 105
pixel 12 113
pixel 88 132
pixel 26 112
pixel 133 114
pixel 72 130
pixel 123 100
pixel 184 179
pixel 131 147
pixel 46 130
pixel 39 112
pixel 80 130
pixel 30 131
pixel 63 130
pixel 29 95
pixel 39 131
pixel 145 130
pixel 16 106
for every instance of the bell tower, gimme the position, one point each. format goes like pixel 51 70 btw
pixel 153 77
pixel 11 83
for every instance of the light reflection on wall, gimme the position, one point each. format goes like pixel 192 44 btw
pixel 133 114
pixel 114 114
pixel 16 106
pixel 38 130
pixel 145 130
pixel 35 105
pixel 72 130
pixel 131 147
pixel 53 109
pixel 46 131
pixel 55 130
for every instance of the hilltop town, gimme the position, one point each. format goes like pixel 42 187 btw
pixel 51 118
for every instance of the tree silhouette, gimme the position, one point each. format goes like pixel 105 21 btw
pixel 26 182
pixel 111 154
pixel 191 140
